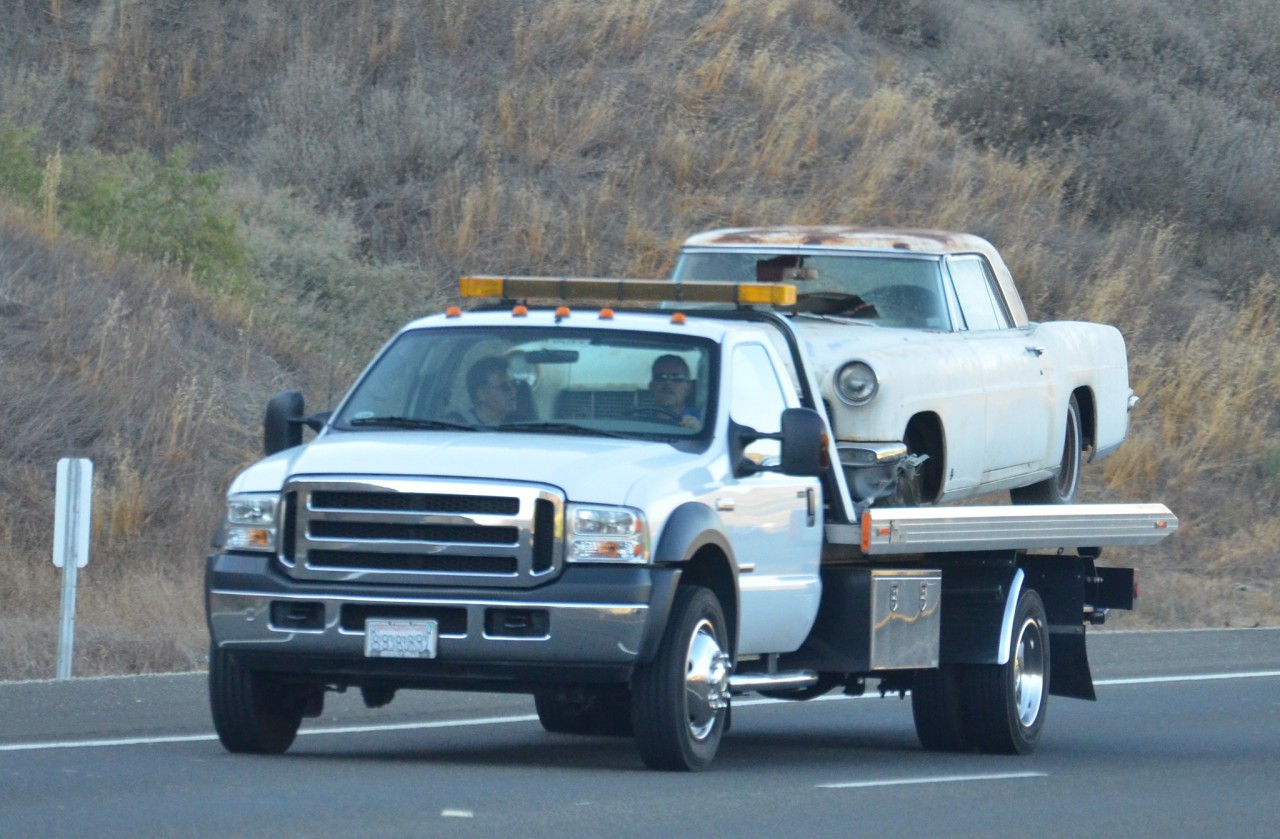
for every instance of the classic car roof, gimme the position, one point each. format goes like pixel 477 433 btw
pixel 847 237
pixel 859 238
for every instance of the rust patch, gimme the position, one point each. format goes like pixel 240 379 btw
pixel 924 241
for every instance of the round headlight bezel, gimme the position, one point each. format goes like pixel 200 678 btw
pixel 856 383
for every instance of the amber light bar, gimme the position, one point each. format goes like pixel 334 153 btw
pixel 623 291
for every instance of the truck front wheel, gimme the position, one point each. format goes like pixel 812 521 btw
pixel 253 713
pixel 680 700
pixel 1008 702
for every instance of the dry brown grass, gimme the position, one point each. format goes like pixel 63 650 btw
pixel 122 363
pixel 378 149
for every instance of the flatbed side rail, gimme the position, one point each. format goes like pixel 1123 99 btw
pixel 910 530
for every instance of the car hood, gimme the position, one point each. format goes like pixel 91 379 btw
pixel 577 464
pixel 829 343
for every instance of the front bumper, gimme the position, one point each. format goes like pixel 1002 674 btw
pixel 589 624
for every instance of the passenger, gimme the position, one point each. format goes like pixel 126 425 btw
pixel 671 387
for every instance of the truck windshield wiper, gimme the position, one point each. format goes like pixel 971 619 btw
pixel 409 422
pixel 558 427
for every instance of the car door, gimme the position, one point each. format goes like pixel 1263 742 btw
pixel 1015 377
pixel 773 521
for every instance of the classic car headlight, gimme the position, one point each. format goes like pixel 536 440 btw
pixel 607 534
pixel 856 383
pixel 251 522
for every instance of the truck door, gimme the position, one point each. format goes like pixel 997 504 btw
pixel 773 521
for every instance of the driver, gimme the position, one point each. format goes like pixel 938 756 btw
pixel 671 387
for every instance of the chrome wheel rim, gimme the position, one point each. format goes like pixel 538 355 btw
pixel 1028 673
pixel 706 682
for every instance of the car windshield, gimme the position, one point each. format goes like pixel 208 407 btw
pixel 551 380
pixel 884 289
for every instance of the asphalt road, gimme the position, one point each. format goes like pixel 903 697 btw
pixel 1184 741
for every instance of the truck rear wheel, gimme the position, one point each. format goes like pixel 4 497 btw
pixel 680 700
pixel 253 713
pixel 1007 703
pixel 937 709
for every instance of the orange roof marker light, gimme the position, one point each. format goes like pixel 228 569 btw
pixel 520 311
pixel 453 312
pixel 626 291
pixel 606 313
pixel 678 318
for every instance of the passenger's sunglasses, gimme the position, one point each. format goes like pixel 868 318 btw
pixel 670 377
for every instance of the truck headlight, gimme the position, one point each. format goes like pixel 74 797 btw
pixel 607 534
pixel 252 522
pixel 857 383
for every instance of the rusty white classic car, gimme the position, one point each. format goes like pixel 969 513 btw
pixel 937 385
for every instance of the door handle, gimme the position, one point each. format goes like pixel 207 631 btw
pixel 1036 351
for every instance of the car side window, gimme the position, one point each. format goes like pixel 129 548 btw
pixel 979 296
pixel 758 399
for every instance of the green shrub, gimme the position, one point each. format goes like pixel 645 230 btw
pixel 157 208
pixel 20 170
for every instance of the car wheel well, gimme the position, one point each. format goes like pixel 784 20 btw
pixel 924 435
pixel 1087 404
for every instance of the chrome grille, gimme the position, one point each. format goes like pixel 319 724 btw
pixel 420 531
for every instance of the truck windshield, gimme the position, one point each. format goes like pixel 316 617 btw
pixel 885 289
pixel 538 380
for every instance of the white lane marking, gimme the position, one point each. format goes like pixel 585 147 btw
pixel 195 738
pixel 1208 677
pixel 357 729
pixel 939 779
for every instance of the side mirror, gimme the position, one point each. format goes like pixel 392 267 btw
pixel 282 426
pixel 805 443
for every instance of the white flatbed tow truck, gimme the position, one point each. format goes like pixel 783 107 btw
pixel 631 565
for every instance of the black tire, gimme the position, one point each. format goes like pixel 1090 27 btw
pixel 1006 704
pixel 604 711
pixel 1062 488
pixel 253 712
pixel 680 700
pixel 938 711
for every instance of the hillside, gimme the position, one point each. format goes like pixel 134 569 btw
pixel 202 203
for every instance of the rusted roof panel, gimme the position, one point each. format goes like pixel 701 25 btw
pixel 861 238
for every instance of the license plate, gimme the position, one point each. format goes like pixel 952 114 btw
pixel 400 638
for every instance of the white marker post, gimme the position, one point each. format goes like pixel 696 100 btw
pixel 71 520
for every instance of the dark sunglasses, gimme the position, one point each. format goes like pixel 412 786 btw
pixel 670 377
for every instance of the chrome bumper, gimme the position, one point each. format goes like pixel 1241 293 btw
pixel 252 609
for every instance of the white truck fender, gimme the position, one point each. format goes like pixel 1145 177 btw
pixel 1006 623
